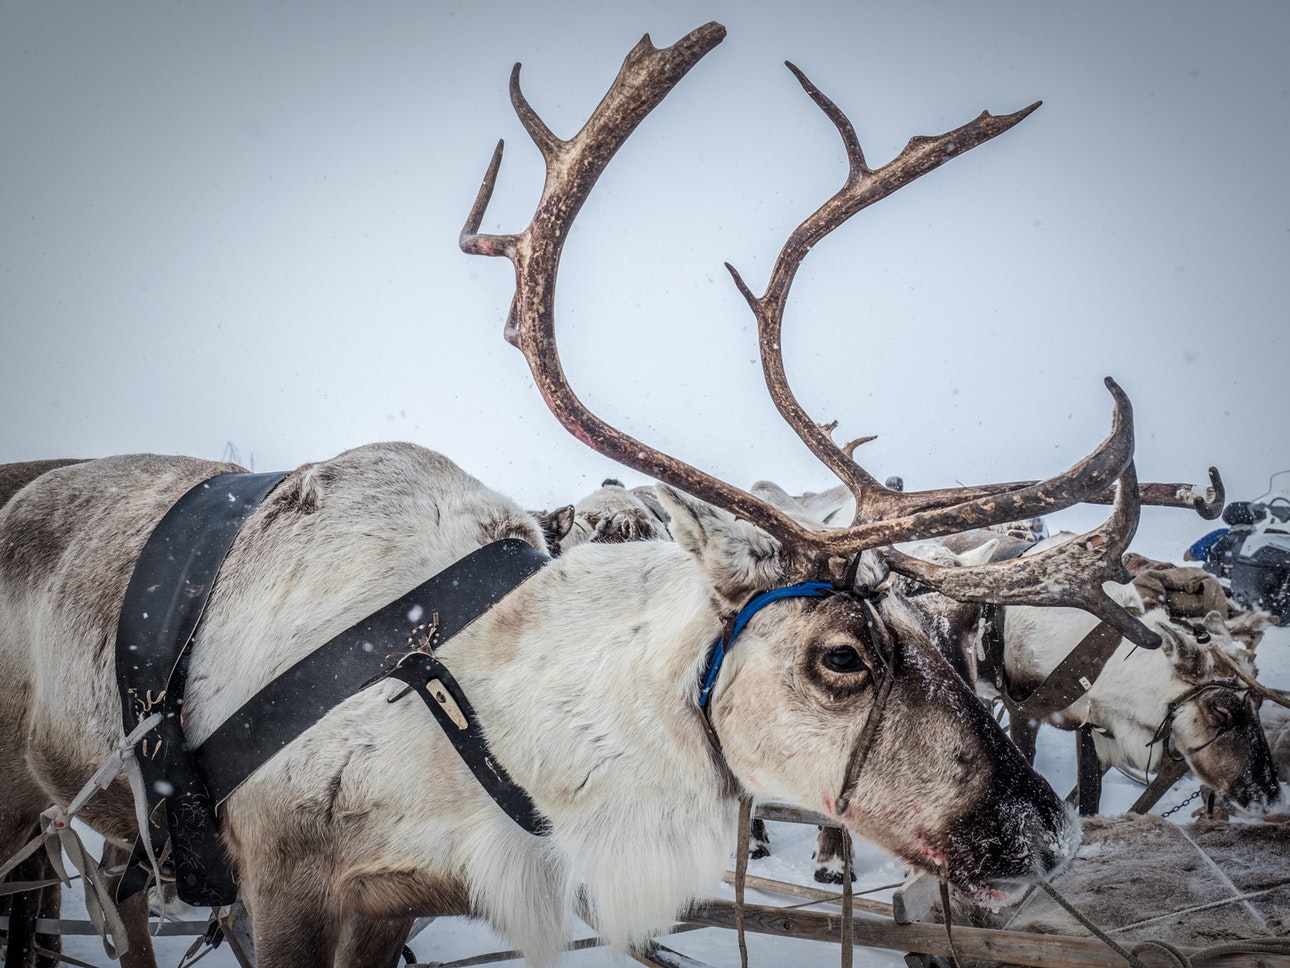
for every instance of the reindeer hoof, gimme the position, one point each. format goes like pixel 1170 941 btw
pixel 830 875
pixel 758 851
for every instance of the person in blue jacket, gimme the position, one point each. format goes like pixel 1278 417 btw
pixel 1201 547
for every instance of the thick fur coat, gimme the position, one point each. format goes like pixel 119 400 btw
pixel 585 679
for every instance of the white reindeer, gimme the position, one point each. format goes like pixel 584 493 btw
pixel 585 678
pixel 1142 694
pixel 1182 699
pixel 610 514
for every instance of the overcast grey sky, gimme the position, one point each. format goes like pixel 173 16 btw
pixel 238 223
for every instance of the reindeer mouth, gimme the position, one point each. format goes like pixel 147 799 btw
pixel 1254 800
pixel 993 893
pixel 995 871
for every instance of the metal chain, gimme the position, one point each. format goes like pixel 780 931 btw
pixel 1172 810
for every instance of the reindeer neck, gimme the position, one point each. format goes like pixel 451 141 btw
pixel 584 679
pixel 610 639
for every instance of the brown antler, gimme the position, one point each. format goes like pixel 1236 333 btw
pixel 883 516
pixel 1071 573
pixel 1208 503
pixel 1278 696
pixel 572 167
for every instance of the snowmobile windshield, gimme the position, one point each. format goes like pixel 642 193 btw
pixel 1277 500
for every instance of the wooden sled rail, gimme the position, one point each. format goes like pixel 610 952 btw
pixel 1008 947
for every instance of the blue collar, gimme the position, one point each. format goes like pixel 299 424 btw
pixel 723 643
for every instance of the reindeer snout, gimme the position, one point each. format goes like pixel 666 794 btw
pixel 1056 847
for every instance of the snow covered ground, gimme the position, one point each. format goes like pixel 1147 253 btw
pixel 451 939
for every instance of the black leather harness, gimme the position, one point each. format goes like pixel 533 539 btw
pixel 164 600
pixel 411 626
pixel 168 590
pixel 1069 681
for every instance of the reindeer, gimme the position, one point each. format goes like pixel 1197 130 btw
pixel 586 677
pixel 1192 698
pixel 1145 706
pixel 610 514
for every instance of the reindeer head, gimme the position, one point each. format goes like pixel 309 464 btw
pixel 1215 722
pixel 612 514
pixel 839 702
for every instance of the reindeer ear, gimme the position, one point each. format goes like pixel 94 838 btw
pixel 1191 660
pixel 738 559
pixel 556 524
pixel 1216 623
pixel 774 495
pixel 1247 627
pixel 981 554
pixel 1173 643
pixel 649 497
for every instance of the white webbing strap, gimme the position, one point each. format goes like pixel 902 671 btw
pixel 61 839
pixel 58 838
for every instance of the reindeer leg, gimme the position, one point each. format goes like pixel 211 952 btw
pixel 758 839
pixel 133 911
pixel 1090 773
pixel 1024 733
pixel 19 826
pixel 372 943
pixel 294 927
pixel 23 909
pixel 51 906
pixel 829 847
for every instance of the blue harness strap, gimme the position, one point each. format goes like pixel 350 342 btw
pixel 723 643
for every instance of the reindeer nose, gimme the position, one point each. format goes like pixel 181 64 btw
pixel 1048 859
pixel 1055 850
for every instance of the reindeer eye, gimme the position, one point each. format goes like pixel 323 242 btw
pixel 843 658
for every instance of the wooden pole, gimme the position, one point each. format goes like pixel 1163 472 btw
pixel 1170 772
pixel 1008 947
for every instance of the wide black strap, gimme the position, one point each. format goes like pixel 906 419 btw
pixel 990 662
pixel 430 613
pixel 168 590
pixel 1074 675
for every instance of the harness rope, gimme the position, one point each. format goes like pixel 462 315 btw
pixel 848 904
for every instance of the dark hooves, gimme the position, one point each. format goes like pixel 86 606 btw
pixel 826 876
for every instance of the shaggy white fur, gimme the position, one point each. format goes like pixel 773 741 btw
pixel 584 678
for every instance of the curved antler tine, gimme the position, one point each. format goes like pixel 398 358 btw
pixel 1278 696
pixel 1071 573
pixel 855 154
pixel 1208 505
pixel 849 448
pixel 547 143
pixel 985 506
pixel 470 241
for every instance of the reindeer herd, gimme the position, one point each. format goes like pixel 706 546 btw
pixel 852 693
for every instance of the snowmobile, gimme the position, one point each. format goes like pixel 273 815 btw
pixel 1252 560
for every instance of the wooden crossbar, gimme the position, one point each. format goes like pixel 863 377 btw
pixel 1009 947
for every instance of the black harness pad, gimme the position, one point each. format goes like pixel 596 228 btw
pixel 164 601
